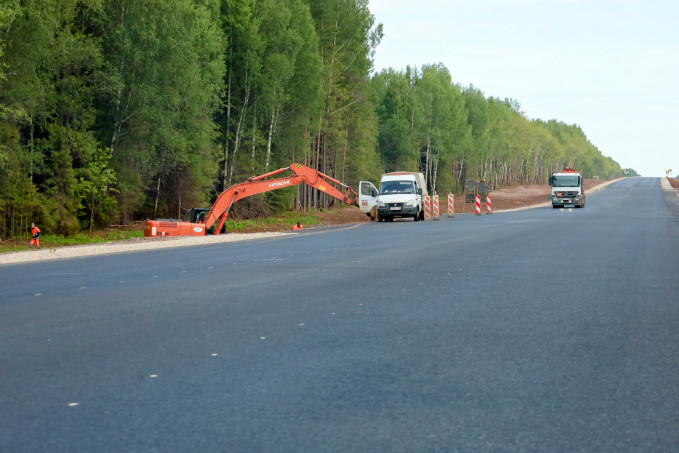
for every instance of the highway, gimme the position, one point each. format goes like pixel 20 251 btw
pixel 543 330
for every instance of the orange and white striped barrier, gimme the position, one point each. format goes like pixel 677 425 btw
pixel 451 205
pixel 427 208
pixel 489 205
pixel 478 205
pixel 436 207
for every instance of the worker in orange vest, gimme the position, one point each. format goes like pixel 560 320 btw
pixel 298 226
pixel 35 239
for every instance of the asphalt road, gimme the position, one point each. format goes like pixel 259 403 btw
pixel 540 330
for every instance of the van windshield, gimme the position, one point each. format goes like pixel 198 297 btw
pixel 389 187
pixel 565 181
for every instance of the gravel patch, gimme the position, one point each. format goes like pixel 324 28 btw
pixel 132 245
pixel 667 186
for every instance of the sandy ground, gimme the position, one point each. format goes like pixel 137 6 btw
pixel 670 184
pixel 132 245
pixel 515 198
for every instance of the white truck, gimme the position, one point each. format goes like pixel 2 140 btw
pixel 401 194
pixel 567 189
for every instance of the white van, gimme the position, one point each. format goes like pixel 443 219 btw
pixel 401 194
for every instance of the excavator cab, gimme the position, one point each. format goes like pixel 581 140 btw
pixel 196 215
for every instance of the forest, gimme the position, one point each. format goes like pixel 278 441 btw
pixel 114 111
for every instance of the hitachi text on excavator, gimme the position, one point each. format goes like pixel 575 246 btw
pixel 199 221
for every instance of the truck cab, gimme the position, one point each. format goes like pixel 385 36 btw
pixel 567 189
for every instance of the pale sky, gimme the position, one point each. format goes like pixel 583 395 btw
pixel 609 66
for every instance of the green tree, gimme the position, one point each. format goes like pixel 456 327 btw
pixel 96 188
pixel 440 123
pixel 164 80
pixel 393 95
pixel 55 67
pixel 289 87
pixel 8 12
pixel 240 23
pixel 348 36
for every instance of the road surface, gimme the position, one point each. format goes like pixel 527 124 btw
pixel 539 330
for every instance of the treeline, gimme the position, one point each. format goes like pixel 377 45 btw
pixel 117 110
pixel 453 133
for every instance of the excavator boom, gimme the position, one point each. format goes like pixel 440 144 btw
pixel 254 185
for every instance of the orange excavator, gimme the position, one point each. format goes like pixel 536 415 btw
pixel 198 221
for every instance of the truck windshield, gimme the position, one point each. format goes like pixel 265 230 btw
pixel 388 187
pixel 565 181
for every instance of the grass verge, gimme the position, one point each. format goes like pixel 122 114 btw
pixel 53 240
pixel 279 222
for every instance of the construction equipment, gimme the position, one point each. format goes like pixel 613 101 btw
pixel 198 221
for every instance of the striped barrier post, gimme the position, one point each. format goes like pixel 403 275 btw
pixel 436 206
pixel 451 205
pixel 427 208
pixel 489 205
pixel 478 205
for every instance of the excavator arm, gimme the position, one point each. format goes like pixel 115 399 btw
pixel 254 185
pixel 259 184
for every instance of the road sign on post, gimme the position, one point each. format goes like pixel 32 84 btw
pixel 483 189
pixel 471 189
